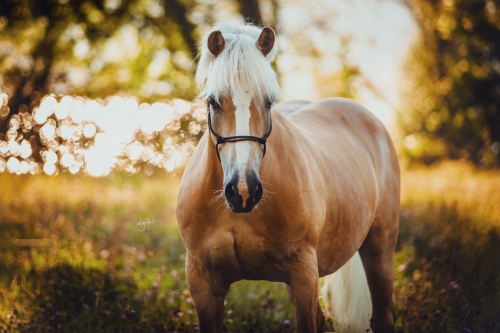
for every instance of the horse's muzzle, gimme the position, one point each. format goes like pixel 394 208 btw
pixel 235 199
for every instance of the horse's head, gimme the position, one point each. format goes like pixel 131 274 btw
pixel 240 86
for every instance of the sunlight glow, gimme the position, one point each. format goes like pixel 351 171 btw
pixel 25 149
pixel 13 165
pixel 66 133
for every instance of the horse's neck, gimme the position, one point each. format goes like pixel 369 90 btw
pixel 213 170
pixel 282 147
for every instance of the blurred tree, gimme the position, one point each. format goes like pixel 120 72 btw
pixel 453 89
pixel 250 10
pixel 97 48
pixel 344 82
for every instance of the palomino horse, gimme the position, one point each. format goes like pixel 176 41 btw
pixel 331 195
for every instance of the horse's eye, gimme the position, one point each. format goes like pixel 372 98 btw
pixel 213 103
pixel 269 103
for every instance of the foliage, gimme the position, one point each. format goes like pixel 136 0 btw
pixel 96 48
pixel 452 97
pixel 345 81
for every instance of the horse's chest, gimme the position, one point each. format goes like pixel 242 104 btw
pixel 217 251
pixel 263 261
pixel 244 257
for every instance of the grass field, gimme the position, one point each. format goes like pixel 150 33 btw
pixel 75 258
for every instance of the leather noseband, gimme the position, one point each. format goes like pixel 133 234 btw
pixel 222 139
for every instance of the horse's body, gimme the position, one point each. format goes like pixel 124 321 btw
pixel 331 180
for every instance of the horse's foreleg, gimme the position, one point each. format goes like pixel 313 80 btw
pixel 320 318
pixel 304 294
pixel 208 297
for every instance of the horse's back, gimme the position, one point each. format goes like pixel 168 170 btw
pixel 329 123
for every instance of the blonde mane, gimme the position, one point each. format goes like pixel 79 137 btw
pixel 239 68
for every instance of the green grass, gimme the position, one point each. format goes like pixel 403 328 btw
pixel 73 259
pixel 448 254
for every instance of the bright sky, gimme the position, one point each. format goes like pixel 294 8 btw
pixel 381 33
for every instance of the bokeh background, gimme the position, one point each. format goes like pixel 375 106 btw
pixel 98 116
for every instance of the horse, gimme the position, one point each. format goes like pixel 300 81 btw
pixel 287 192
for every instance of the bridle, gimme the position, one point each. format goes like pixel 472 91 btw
pixel 235 138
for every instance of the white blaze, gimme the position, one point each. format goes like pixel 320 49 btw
pixel 242 116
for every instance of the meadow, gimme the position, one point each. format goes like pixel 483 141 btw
pixel 84 254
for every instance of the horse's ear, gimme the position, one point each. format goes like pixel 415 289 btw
pixel 265 43
pixel 216 43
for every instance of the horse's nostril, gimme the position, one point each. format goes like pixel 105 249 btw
pixel 235 200
pixel 258 193
pixel 231 192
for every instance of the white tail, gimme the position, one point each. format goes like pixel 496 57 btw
pixel 347 295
